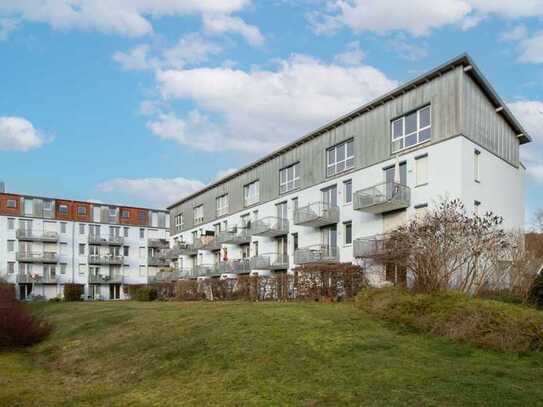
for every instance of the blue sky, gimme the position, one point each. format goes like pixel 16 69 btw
pixel 144 101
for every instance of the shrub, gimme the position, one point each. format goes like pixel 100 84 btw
pixel 484 323
pixel 18 326
pixel 73 292
pixel 536 294
pixel 146 294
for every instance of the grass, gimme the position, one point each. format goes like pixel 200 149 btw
pixel 307 354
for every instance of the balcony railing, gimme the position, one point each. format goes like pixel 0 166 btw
pixel 113 278
pixel 158 243
pixel 157 261
pixel 234 267
pixel 26 278
pixel 270 261
pixel 45 257
pixel 382 198
pixel 36 236
pixel 235 236
pixel 316 214
pixel 270 226
pixel 316 254
pixel 369 247
pixel 185 249
pixel 105 260
pixel 206 270
pixel 166 276
pixel 111 240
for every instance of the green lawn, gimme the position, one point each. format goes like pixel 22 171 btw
pixel 309 354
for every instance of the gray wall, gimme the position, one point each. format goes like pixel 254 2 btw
pixel 450 95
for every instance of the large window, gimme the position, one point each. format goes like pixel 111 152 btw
pixel 251 193
pixel 199 214
pixel 412 129
pixel 289 178
pixel 340 158
pixel 222 205
pixel 179 221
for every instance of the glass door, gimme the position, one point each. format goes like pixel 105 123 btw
pixel 329 196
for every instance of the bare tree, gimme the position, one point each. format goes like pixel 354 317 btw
pixel 538 221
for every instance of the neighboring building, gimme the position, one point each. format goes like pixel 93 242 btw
pixel 47 242
pixel 444 134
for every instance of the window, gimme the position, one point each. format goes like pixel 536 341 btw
pixel 141 216
pixel 125 213
pixel 289 178
pixel 421 169
pixel 62 227
pixel 340 158
pixel 199 214
pixel 28 207
pixel 348 226
pixel 81 249
pixel 294 242
pixel 255 248
pixel 62 268
pixel 411 129
pixel 11 267
pixel 81 210
pixel 142 233
pixel 179 221
pixel 222 205
pixel 125 232
pixel 11 203
pixel 281 210
pixel 48 209
pixel 476 166
pixel 11 245
pixel 251 193
pixel 63 209
pixel 81 228
pixel 126 251
pixel 11 223
pixel 246 221
pixel 348 192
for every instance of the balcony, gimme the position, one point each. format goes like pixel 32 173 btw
pixel 185 249
pixel 158 243
pixel 166 276
pixel 270 226
pixel 36 236
pixel 234 267
pixel 45 257
pixel 210 243
pixel 157 261
pixel 29 278
pixel 369 247
pixel 270 261
pixel 105 260
pixel 237 236
pixel 316 254
pixel 111 240
pixel 316 214
pixel 382 198
pixel 112 278
pixel 206 270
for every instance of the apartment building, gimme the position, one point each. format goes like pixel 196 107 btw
pixel 46 242
pixel 326 196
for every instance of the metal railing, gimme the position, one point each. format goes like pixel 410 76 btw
pixel 112 240
pixel 269 226
pixel 157 261
pixel 368 247
pixel 316 214
pixel 29 278
pixel 234 266
pixel 105 260
pixel 166 276
pixel 186 249
pixel 158 243
pixel 39 236
pixel 381 198
pixel 316 254
pixel 206 270
pixel 112 278
pixel 270 261
pixel 235 236
pixel 45 257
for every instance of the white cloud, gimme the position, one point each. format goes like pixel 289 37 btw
pixel 407 50
pixel 515 34
pixel 191 49
pixel 260 110
pixel 225 173
pixel 530 114
pixel 7 26
pixel 124 17
pixel 352 56
pixel 158 192
pixel 17 133
pixel 417 17
pixel 531 49
pixel 220 24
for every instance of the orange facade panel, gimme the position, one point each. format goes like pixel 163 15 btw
pixel 10 205
pixel 82 211
pixel 133 216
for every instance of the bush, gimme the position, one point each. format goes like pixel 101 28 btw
pixel 18 326
pixel 536 294
pixel 146 294
pixel 73 292
pixel 484 323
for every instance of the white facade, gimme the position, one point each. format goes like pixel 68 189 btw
pixel 41 254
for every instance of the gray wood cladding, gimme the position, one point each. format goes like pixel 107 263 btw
pixel 458 107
